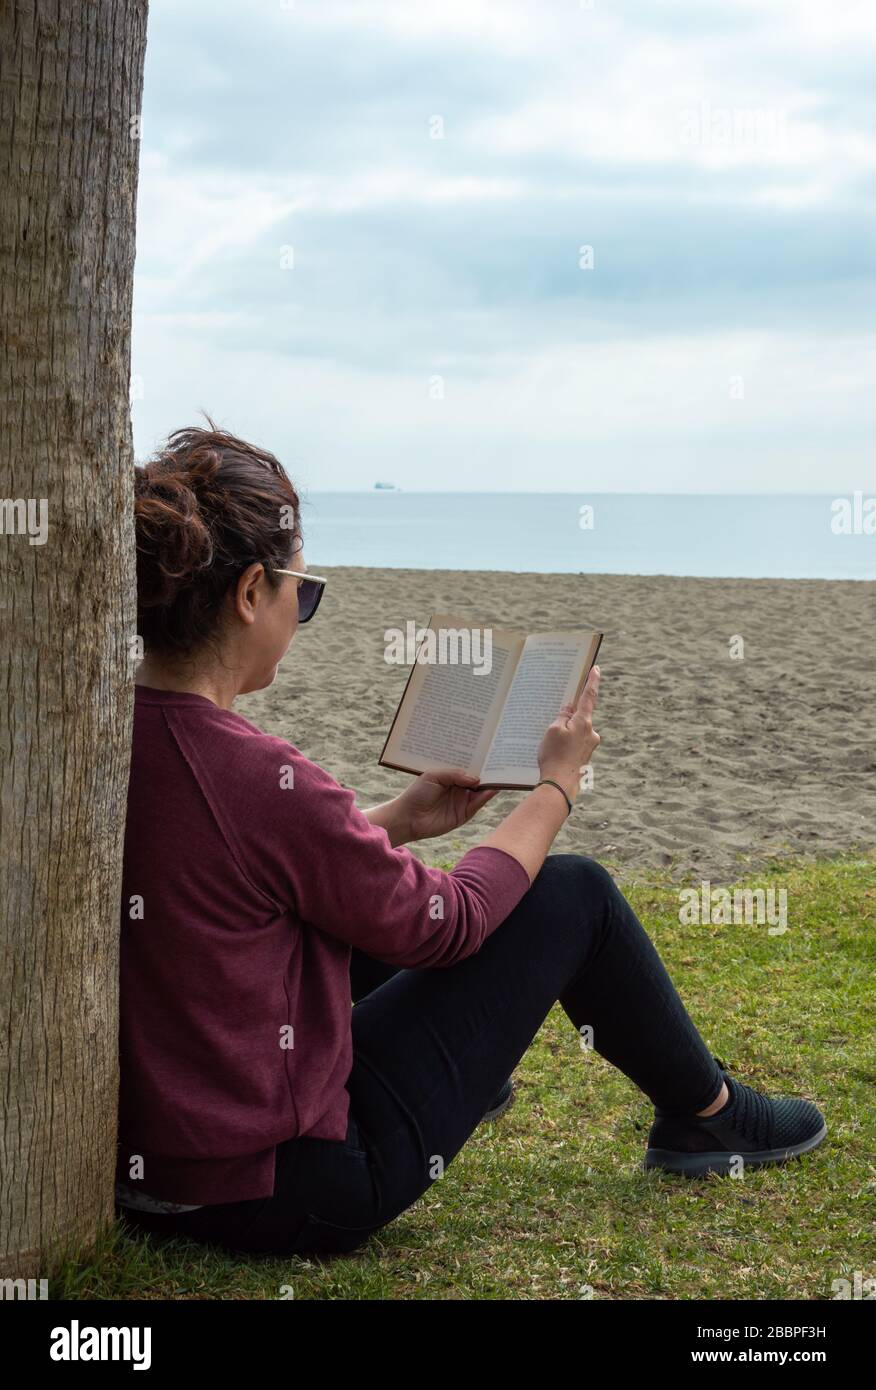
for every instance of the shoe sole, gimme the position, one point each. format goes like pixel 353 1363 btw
pixel 697 1165
pixel 500 1109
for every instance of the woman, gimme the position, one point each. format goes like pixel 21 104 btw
pixel 257 1109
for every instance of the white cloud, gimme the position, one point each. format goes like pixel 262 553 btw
pixel 720 156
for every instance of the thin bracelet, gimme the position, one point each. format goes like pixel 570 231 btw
pixel 549 782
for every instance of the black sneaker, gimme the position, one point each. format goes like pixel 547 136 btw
pixel 752 1128
pixel 501 1103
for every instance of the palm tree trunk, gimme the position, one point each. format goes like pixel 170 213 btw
pixel 71 74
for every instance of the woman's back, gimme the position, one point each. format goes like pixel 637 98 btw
pixel 216 970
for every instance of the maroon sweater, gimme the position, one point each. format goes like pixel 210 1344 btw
pixel 242 897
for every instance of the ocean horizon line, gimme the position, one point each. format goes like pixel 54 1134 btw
pixel 558 492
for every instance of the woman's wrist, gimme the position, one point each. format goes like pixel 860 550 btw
pixel 570 786
pixel 394 820
pixel 559 789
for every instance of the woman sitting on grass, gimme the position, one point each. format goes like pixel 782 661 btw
pixel 258 1110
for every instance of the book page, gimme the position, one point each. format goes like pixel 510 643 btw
pixel 450 708
pixel 547 677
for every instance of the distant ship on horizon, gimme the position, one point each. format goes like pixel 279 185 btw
pixel 387 487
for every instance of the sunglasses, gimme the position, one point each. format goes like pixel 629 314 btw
pixel 310 587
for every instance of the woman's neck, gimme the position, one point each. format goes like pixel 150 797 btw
pixel 218 684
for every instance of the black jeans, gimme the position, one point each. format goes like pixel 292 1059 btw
pixel 433 1047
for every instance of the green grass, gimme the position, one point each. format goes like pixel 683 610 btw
pixel 549 1202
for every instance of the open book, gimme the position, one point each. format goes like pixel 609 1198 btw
pixel 481 698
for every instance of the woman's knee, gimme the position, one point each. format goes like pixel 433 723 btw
pixel 575 898
pixel 579 874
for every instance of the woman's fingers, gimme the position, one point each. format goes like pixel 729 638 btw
pixel 478 799
pixel 587 702
pixel 452 777
pixel 563 717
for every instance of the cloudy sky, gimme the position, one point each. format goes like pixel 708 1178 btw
pixel 623 245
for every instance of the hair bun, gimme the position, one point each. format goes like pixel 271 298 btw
pixel 206 507
pixel 173 538
pixel 203 473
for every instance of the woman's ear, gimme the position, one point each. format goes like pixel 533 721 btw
pixel 248 592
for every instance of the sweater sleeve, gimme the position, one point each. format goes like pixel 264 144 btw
pixel 309 846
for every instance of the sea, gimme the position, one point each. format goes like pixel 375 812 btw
pixel 770 536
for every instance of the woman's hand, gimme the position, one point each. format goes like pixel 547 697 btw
pixel 571 740
pixel 439 801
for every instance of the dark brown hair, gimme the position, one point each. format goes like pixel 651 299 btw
pixel 205 507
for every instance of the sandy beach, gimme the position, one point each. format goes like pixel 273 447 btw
pixel 710 765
